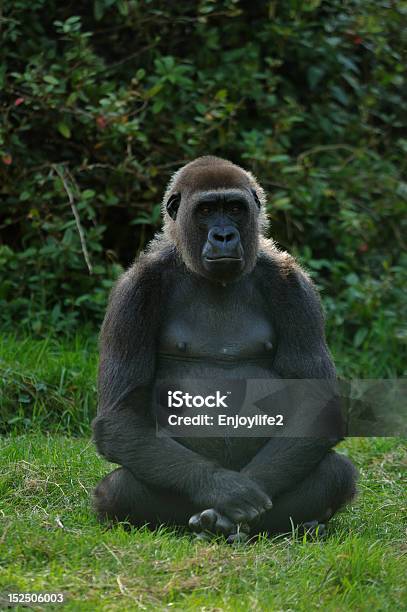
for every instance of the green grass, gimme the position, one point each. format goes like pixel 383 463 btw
pixel 50 541
pixel 47 384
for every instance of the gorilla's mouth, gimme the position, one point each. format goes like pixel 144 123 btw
pixel 223 267
pixel 224 258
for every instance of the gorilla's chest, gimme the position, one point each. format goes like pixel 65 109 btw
pixel 215 323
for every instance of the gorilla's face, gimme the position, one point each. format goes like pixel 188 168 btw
pixel 220 218
pixel 214 214
pixel 217 231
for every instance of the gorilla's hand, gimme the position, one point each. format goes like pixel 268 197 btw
pixel 234 495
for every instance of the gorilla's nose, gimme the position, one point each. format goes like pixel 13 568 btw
pixel 224 238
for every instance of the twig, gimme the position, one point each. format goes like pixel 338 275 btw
pixel 77 218
pixel 59 522
pixel 320 148
pixel 121 585
pixel 130 57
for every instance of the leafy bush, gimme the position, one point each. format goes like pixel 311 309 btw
pixel 103 101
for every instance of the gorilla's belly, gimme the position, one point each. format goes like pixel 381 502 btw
pixel 230 452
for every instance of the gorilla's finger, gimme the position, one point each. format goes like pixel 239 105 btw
pixel 225 525
pixel 269 504
pixel 265 503
pixel 204 536
pixel 208 519
pixel 314 529
pixel 252 513
pixel 244 514
pixel 238 538
pixel 194 522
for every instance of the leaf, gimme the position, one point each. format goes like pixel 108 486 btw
pixel 153 91
pixel 88 194
pixel 158 106
pixel 352 82
pixel 291 169
pixel 314 75
pixel 123 8
pixel 98 9
pixel 201 108
pixel 64 129
pixel 352 279
pixel 221 95
pixel 281 203
pixel 48 78
pixel 340 95
pixel 347 62
pixel 360 336
pixel 279 158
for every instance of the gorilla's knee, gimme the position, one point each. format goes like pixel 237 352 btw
pixel 111 499
pixel 344 476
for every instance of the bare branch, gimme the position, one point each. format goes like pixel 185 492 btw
pixel 321 148
pixel 77 218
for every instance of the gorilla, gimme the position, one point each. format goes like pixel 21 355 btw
pixel 213 298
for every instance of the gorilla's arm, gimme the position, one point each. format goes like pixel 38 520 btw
pixel 301 353
pixel 124 429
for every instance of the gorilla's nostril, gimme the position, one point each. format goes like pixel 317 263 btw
pixel 226 237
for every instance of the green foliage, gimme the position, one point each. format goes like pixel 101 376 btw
pixel 104 100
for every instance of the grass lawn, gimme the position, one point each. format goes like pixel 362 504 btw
pixel 51 542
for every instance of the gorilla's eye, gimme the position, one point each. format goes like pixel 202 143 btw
pixel 235 208
pixel 204 210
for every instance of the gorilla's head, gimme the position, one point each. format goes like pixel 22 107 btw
pixel 214 214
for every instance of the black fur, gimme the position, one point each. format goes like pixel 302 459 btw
pixel 168 480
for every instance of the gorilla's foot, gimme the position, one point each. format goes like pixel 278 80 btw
pixel 213 522
pixel 210 523
pixel 313 529
pixel 241 537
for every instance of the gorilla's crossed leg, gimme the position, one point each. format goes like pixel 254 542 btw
pixel 119 496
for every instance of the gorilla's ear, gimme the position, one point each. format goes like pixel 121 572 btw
pixel 172 205
pixel 256 198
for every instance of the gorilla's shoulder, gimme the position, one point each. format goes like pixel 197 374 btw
pixel 279 270
pixel 283 266
pixel 149 271
pixel 160 254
